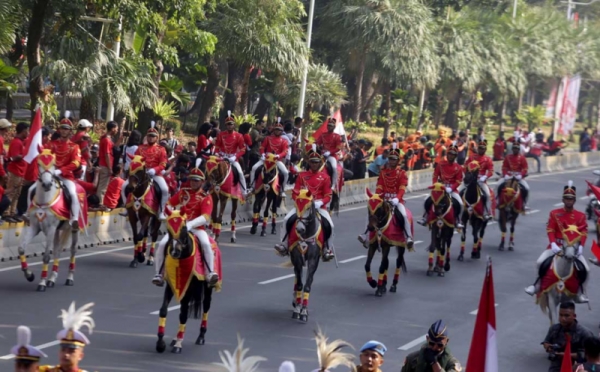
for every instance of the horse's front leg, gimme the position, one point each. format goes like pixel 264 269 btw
pixel 143 238
pixel 205 309
pixel 274 214
pixel 312 262
pixel 28 233
pixel 56 250
pixel 51 231
pixel 256 213
pixel 372 282
pixel 136 239
pixel 265 220
pixel 381 280
pixel 162 319
pixel 74 239
pixel 511 243
pixel 435 242
pixel 463 237
pixel 502 224
pixel 177 344
pixel 155 225
pixel 400 265
pixel 475 253
pixel 234 204
pixel 297 261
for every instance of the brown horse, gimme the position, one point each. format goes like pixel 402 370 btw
pixel 510 206
pixel 268 188
pixel 142 206
pixel 224 185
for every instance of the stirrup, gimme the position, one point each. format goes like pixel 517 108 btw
pixel 158 280
pixel 422 222
pixel 530 290
pixel 281 250
pixel 581 299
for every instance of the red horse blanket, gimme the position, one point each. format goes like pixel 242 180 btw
pixel 61 209
pixel 149 201
pixel 569 284
pixel 392 233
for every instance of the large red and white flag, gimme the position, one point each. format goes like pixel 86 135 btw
pixel 483 355
pixel 34 140
pixel 339 127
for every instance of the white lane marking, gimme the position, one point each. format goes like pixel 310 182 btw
pixel 353 259
pixel 413 343
pixel 277 279
pixel 558 204
pixel 474 312
pixel 533 211
pixel 41 347
pixel 418 242
pixel 584 197
pixel 169 309
pixel 67 258
pixel 492 222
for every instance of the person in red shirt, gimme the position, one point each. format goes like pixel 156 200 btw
pixel 4 125
pixel 230 145
pixel 486 170
pixel 105 161
pixel 16 170
pixel 449 173
pixel 112 196
pixel 515 164
pixel 274 144
pixel 319 185
pixel 330 144
pixel 499 148
pixel 82 139
pixel 566 226
pixel 67 161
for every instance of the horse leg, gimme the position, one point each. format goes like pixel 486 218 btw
pixel 400 265
pixel 448 243
pixel 234 204
pixel 432 249
pixel 143 238
pixel 45 260
pixel 136 240
pixel 502 224
pixel 154 235
pixel 71 275
pixel 511 243
pixel 370 255
pixel 297 259
pixel 28 234
pixel 177 343
pixel 463 241
pixel 475 252
pixel 441 253
pixel 274 215
pixel 313 256
pixel 205 308
pixel 385 251
pixel 256 214
pixel 56 250
pixel 263 231
pixel 162 319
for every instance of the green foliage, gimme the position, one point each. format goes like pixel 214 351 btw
pixel 323 88
pixel 316 119
pixel 6 74
pixel 171 88
pixel 533 116
pixel 173 123
pixel 164 110
pixel 240 119
pixel 48 108
pixel 351 125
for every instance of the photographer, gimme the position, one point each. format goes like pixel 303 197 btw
pixel 555 341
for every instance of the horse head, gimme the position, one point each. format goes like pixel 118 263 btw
pixel 472 173
pixel 217 170
pixel 137 172
pixel 269 170
pixel 180 246
pixel 46 165
pixel 440 198
pixel 509 194
pixel 305 211
pixel 379 210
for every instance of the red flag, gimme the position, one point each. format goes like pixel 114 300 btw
pixel 322 129
pixel 594 189
pixel 483 355
pixel 567 365
pixel 596 250
pixel 34 140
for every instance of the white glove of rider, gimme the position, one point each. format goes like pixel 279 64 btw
pixel 579 251
pixel 276 156
pixel 482 178
pixel 555 248
pixel 151 172
pixel 395 201
pixel 57 172
pixel 519 177
pixel 263 157
pixel 449 190
pixel 232 159
pixel 507 177
pixel 318 204
pixel 326 154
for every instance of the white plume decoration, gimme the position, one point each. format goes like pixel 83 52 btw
pixel 287 366
pixel 228 113
pixel 279 119
pixel 330 355
pixel 570 183
pixel 314 147
pixel 152 124
pixel 76 319
pixel 67 114
pixel 237 361
pixel 198 162
pixel 23 336
pixel 394 145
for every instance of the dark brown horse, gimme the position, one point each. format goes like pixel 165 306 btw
pixel 269 188
pixel 142 206
pixel 510 205
pixel 224 186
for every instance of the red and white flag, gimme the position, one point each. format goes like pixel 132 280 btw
pixel 483 355
pixel 34 140
pixel 567 364
pixel 339 126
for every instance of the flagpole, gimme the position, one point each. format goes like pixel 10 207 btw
pixel 311 13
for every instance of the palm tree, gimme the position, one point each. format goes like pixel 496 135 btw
pixel 8 24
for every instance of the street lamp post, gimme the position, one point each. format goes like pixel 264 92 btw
pixel 311 13
pixel 110 108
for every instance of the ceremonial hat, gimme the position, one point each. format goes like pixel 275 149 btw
pixel 313 154
pixel 5 124
pixel 66 124
pixel 278 125
pixel 73 320
pixel 196 174
pixel 569 190
pixel 23 350
pixel 152 130
pixel 237 361
pixel 84 123
pixel 438 331
pixel 229 118
pixel 453 150
pixel 94 148
pixel 473 166
pixel 394 152
pixel 482 144
pixel 331 121
pixel 375 346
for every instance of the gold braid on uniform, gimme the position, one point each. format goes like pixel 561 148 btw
pixel 330 354
pixel 237 361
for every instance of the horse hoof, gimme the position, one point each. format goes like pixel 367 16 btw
pixel 511 247
pixel 304 318
pixel 373 284
pixel 274 232
pixel 141 258
pixel 429 273
pixel 379 292
pixel 447 266
pixel 133 264
pixel 295 315
pixel 501 247
pixel 30 276
pixel 161 346
pixel 263 233
pixel 233 240
pixel 461 257
pixel 172 343
pixel 50 284
pixel 441 273
pixel 41 288
pixel 69 282
pixel 393 288
pixel 150 263
pixel 200 340
pixel 253 230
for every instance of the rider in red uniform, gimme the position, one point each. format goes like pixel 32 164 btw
pixel 231 146
pixel 319 185
pixel 565 224
pixel 486 170
pixel 450 173
pixel 329 144
pixel 391 184
pixel 197 205
pixel 274 144
pixel 67 160
pixel 515 163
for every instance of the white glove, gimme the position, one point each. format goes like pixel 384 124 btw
pixel 196 222
pixel 555 248
pixel 579 251
pixel 326 154
pixel 276 156
pixel 151 172
pixel 57 172
pixel 232 159
pixel 318 204
pixel 507 177
pixel 449 190
pixel 263 157
pixel 395 201
pixel 482 178
pixel 519 177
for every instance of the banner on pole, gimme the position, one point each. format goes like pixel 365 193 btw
pixel 569 108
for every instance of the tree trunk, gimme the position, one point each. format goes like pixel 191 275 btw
pixel 145 116
pixel 34 38
pixel 262 107
pixel 211 91
pixel 233 94
pixel 368 98
pixel 359 86
pixel 10 103
pixel 86 109
pixel 242 105
pixel 453 107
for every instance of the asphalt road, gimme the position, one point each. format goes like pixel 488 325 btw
pixel 256 299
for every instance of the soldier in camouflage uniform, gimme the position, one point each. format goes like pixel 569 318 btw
pixel 435 355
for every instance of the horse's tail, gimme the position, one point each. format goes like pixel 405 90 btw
pixel 543 302
pixel 335 203
pixel 401 252
pixel 64 236
pixel 196 297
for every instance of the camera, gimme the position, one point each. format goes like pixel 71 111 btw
pixel 552 352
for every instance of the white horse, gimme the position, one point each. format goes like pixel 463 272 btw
pixel 48 192
pixel 563 266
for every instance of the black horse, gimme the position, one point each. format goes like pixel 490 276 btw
pixel 510 206
pixel 269 190
pixel 473 213
pixel 441 230
pixel 198 295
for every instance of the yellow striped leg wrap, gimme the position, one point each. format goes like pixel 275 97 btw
pixel 430 254
pixel 162 322
pixel 205 317
pixel 182 328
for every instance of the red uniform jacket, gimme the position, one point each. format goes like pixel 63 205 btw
pixel 392 183
pixel 2 154
pixel 449 174
pixel 486 166
pixel 499 148
pixel 154 155
pixel 275 145
pixel 318 183
pixel 67 156
pixel 83 146
pixel 331 142
pixel 514 163
pixel 231 143
pixel 570 225
pixel 195 203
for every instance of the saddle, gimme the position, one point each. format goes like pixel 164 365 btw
pixel 580 272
